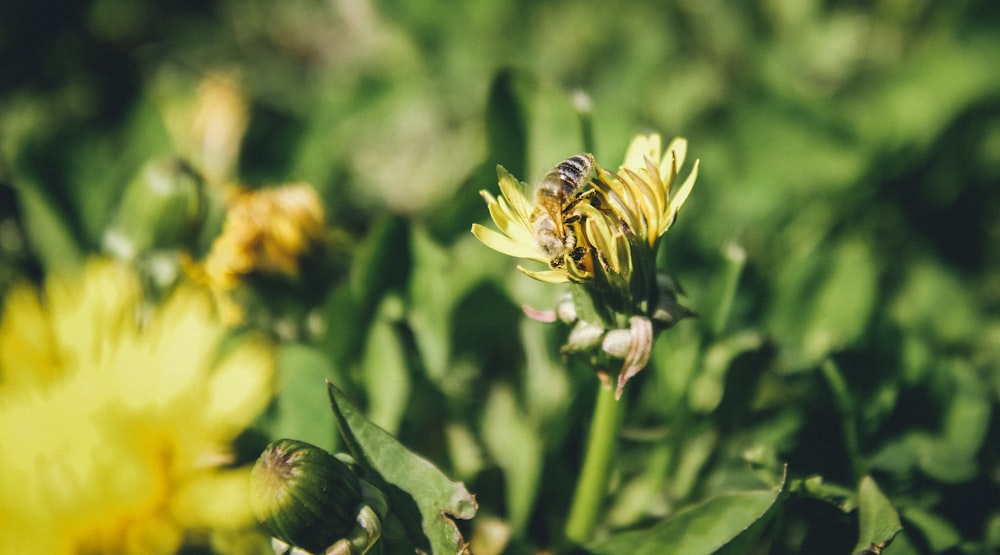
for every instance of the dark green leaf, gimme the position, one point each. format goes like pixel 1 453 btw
pixel 423 498
pixel 507 121
pixel 731 522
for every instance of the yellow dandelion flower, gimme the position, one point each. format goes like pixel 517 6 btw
pixel 607 216
pixel 639 193
pixel 600 230
pixel 267 231
pixel 117 417
pixel 512 213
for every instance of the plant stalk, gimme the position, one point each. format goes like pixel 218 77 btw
pixel 592 485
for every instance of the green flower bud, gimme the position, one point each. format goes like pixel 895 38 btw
pixel 161 208
pixel 304 496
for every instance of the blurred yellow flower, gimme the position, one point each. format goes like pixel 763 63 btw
pixel 117 417
pixel 267 231
pixel 208 128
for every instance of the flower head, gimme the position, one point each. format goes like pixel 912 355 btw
pixel 303 495
pixel 266 231
pixel 600 230
pixel 117 417
pixel 609 223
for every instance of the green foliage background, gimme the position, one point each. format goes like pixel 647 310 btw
pixel 850 151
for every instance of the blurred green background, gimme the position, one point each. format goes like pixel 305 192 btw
pixel 850 163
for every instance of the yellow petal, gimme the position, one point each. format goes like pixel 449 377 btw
pixel 504 244
pixel 640 147
pixel 676 150
pixel 215 500
pixel 510 223
pixel 517 194
pixel 682 194
pixel 240 388
pixel 548 276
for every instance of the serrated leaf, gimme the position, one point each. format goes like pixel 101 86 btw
pixel 419 494
pixel 727 523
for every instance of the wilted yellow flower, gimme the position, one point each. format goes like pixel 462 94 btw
pixel 117 417
pixel 267 231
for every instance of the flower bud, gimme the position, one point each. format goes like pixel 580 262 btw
pixel 161 207
pixel 303 495
pixel 584 336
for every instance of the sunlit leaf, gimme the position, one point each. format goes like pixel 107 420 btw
pixel 424 499
pixel 879 522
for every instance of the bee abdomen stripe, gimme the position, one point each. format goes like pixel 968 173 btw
pixel 574 169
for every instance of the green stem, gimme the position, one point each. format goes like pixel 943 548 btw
pixel 736 257
pixel 842 398
pixel 592 485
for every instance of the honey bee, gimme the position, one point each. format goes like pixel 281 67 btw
pixel 555 197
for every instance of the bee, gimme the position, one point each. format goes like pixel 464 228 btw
pixel 555 197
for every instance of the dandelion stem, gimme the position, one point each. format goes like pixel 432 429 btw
pixel 592 484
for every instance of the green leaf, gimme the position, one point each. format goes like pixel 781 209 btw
pixel 517 448
pixel 507 120
pixel 939 534
pixel 48 233
pixel 878 520
pixel 384 368
pixel 383 261
pixel 419 494
pixel 300 408
pixel 952 454
pixel 936 303
pixel 724 524
pixel 709 385
pixel 825 302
